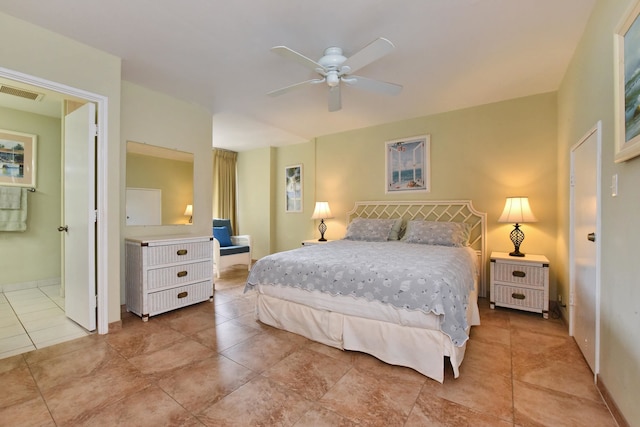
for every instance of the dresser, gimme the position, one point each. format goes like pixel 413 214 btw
pixel 163 273
pixel 520 282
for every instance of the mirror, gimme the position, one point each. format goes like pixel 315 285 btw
pixel 159 185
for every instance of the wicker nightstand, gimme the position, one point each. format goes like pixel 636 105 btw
pixel 520 282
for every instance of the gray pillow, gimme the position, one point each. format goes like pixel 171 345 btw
pixel 437 233
pixel 370 229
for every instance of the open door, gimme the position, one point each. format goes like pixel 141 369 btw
pixel 79 215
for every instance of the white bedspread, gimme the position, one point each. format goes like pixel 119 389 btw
pixel 420 278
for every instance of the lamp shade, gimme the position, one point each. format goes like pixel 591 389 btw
pixel 189 210
pixel 517 211
pixel 322 211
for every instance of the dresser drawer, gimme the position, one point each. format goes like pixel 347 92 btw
pixel 179 252
pixel 161 301
pixel 520 274
pixel 524 298
pixel 162 277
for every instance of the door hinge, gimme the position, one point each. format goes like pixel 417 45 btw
pixel 95 215
pixel 94 129
pixel 572 181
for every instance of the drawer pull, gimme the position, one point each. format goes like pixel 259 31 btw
pixel 182 273
pixel 517 296
pixel 517 273
pixel 183 294
pixel 182 252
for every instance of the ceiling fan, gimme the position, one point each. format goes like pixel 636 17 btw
pixel 334 68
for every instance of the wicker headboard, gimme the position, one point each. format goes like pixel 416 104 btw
pixel 433 210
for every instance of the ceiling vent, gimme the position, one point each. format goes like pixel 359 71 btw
pixel 22 93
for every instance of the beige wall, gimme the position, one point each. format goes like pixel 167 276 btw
pixel 35 255
pixel 47 55
pixel 153 118
pixel 485 154
pixel 585 97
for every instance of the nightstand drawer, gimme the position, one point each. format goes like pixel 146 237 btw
pixel 519 274
pixel 523 298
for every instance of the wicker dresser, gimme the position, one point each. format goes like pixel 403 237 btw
pixel 164 273
pixel 520 282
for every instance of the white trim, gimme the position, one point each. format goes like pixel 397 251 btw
pixel 102 182
pixel 597 129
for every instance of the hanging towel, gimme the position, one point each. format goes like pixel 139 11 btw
pixel 10 197
pixel 13 219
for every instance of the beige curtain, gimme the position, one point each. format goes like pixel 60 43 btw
pixel 224 185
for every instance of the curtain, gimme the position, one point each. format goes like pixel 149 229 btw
pixel 224 185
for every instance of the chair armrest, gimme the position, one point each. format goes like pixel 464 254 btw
pixel 241 240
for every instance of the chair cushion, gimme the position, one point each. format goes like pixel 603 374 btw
pixel 221 234
pixel 219 222
pixel 231 250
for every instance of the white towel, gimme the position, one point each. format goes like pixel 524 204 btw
pixel 10 197
pixel 15 219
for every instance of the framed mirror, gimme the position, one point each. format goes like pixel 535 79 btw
pixel 159 185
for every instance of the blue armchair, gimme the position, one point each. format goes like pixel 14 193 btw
pixel 228 249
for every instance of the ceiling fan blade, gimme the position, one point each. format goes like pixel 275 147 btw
pixel 372 85
pixel 285 52
pixel 335 103
pixel 286 89
pixel 371 52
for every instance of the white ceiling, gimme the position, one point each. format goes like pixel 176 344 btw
pixel 450 54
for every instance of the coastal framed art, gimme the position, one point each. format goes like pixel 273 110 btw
pixel 407 167
pixel 17 158
pixel 293 188
pixel 627 86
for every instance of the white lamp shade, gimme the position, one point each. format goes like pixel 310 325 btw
pixel 322 211
pixel 189 210
pixel 517 211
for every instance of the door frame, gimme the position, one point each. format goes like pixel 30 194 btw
pixel 102 228
pixel 597 130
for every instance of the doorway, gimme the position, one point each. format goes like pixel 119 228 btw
pixel 101 166
pixel 584 293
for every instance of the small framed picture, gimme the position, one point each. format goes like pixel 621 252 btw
pixel 293 188
pixel 627 78
pixel 17 158
pixel 407 165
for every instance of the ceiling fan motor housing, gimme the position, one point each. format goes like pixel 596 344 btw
pixel 332 59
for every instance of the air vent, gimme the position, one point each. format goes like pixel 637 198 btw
pixel 34 96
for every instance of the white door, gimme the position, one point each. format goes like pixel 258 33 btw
pixel 79 216
pixel 584 296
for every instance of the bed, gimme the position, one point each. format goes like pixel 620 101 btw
pixel 375 292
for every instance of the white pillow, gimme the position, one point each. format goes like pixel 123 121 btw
pixel 437 233
pixel 372 230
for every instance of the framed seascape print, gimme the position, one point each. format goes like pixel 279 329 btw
pixel 627 88
pixel 407 165
pixel 293 188
pixel 17 158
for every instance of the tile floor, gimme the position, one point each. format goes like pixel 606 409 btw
pixel 213 364
pixel 34 318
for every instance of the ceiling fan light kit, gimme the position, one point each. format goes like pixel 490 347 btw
pixel 334 68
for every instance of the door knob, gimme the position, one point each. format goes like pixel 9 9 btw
pixel 591 237
pixel 65 228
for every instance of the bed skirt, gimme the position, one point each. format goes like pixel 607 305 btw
pixel 417 348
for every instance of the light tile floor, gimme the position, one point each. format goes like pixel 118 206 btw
pixel 34 318
pixel 212 364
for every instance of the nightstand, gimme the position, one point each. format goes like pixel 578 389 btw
pixel 313 242
pixel 521 283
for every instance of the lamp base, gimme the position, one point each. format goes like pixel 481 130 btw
pixel 517 236
pixel 516 253
pixel 322 239
pixel 322 228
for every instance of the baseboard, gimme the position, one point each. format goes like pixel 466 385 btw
pixel 608 399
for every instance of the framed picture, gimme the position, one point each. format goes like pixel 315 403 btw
pixel 17 158
pixel 627 88
pixel 407 165
pixel 293 188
